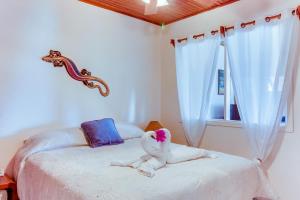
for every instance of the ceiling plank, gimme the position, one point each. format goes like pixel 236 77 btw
pixel 175 11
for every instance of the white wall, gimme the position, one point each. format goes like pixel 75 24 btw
pixel 36 96
pixel 284 172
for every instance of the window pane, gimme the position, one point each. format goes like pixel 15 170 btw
pixel 218 88
pixel 232 108
pixel 234 113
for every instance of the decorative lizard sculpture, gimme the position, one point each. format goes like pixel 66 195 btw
pixel 84 75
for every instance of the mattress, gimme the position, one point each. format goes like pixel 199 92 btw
pixel 83 173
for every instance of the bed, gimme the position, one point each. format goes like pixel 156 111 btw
pixel 61 165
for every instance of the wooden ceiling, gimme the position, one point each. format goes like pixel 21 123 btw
pixel 175 11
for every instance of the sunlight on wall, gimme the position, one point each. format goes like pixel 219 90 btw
pixel 132 108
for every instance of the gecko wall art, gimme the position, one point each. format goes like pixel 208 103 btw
pixel 92 82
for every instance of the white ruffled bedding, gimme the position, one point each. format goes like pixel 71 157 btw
pixel 63 167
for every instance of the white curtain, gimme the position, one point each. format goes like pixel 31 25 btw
pixel 262 62
pixel 195 68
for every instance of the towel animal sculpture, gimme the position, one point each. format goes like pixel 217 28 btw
pixel 157 146
pixel 159 152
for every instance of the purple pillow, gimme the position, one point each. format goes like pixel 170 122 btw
pixel 101 132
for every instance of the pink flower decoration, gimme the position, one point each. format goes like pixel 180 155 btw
pixel 160 135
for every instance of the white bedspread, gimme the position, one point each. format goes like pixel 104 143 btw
pixel 83 173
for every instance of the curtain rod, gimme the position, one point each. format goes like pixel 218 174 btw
pixel 224 29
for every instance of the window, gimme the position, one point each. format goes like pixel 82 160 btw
pixel 223 102
pixel 223 105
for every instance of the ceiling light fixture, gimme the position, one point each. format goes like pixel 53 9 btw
pixel 159 2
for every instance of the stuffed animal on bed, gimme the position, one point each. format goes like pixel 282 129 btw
pixel 156 144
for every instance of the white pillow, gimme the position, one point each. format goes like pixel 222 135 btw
pixel 63 137
pixel 128 131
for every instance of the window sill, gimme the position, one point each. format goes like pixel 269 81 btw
pixel 238 124
pixel 224 123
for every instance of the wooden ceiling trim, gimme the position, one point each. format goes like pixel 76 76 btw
pixel 175 11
